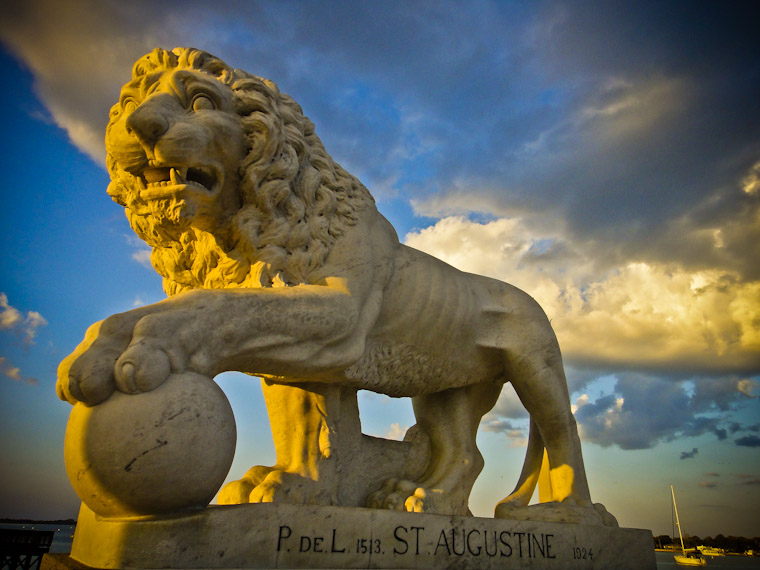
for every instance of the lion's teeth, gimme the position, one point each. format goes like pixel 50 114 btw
pixel 175 177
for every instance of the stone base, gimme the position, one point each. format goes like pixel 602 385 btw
pixel 270 535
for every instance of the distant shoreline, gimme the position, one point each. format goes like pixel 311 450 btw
pixel 34 521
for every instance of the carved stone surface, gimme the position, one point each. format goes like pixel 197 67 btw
pixel 135 454
pixel 278 264
pixel 293 536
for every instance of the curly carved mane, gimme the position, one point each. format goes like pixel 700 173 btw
pixel 295 199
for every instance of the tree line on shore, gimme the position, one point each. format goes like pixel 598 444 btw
pixel 738 544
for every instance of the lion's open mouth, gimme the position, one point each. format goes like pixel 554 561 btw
pixel 162 181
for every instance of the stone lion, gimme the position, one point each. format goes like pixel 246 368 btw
pixel 278 264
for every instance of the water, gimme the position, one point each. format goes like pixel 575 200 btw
pixel 665 560
pixel 64 533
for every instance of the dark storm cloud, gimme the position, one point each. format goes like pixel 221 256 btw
pixel 689 454
pixel 748 441
pixel 635 123
pixel 644 410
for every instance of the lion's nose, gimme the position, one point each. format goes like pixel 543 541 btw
pixel 148 123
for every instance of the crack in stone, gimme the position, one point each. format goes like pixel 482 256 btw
pixel 128 466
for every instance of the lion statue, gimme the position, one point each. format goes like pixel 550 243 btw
pixel 277 263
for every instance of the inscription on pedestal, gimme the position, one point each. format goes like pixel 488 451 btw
pixel 456 541
pixel 292 536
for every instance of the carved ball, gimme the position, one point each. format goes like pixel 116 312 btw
pixel 163 451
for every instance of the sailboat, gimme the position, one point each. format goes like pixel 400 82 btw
pixel 690 557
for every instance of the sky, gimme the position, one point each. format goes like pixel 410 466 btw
pixel 602 156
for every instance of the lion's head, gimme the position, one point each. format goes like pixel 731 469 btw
pixel 223 176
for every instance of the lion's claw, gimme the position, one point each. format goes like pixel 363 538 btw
pixel 402 495
pixel 141 369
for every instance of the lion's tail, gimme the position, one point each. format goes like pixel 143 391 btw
pixel 532 472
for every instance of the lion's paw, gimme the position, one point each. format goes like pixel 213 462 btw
pixel 564 512
pixel 239 492
pixel 402 495
pixel 283 487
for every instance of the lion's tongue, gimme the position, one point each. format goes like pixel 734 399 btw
pixel 153 175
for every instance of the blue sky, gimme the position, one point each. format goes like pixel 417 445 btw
pixel 605 157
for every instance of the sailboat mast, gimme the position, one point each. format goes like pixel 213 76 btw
pixel 678 523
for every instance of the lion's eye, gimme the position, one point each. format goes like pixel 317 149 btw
pixel 129 105
pixel 203 103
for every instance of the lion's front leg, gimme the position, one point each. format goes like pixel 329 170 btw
pixel 300 331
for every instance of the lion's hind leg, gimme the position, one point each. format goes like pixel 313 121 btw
pixel 529 476
pixel 539 380
pixel 450 419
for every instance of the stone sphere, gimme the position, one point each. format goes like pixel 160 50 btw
pixel 162 451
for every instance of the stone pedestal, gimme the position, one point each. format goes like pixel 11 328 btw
pixel 298 537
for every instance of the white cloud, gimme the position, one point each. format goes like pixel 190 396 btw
pixel 9 316
pixel 12 319
pixel 142 257
pixel 396 431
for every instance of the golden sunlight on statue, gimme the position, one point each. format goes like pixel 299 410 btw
pixel 278 264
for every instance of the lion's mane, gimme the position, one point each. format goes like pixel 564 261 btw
pixel 296 201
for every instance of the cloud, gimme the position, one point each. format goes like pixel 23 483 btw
pixel 747 387
pixel 641 410
pixel 634 315
pixel 708 484
pixel 396 431
pixel 748 441
pixel 143 258
pixel 10 317
pixel 14 373
pixel 751 182
pixel 712 474
pixel 517 434
pixel 689 455
pixel 13 320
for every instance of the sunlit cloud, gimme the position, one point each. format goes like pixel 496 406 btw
pixel 748 479
pixel 624 108
pixel 639 314
pixel 751 182
pixel 708 484
pixel 12 319
pixel 14 373
pixel 747 387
